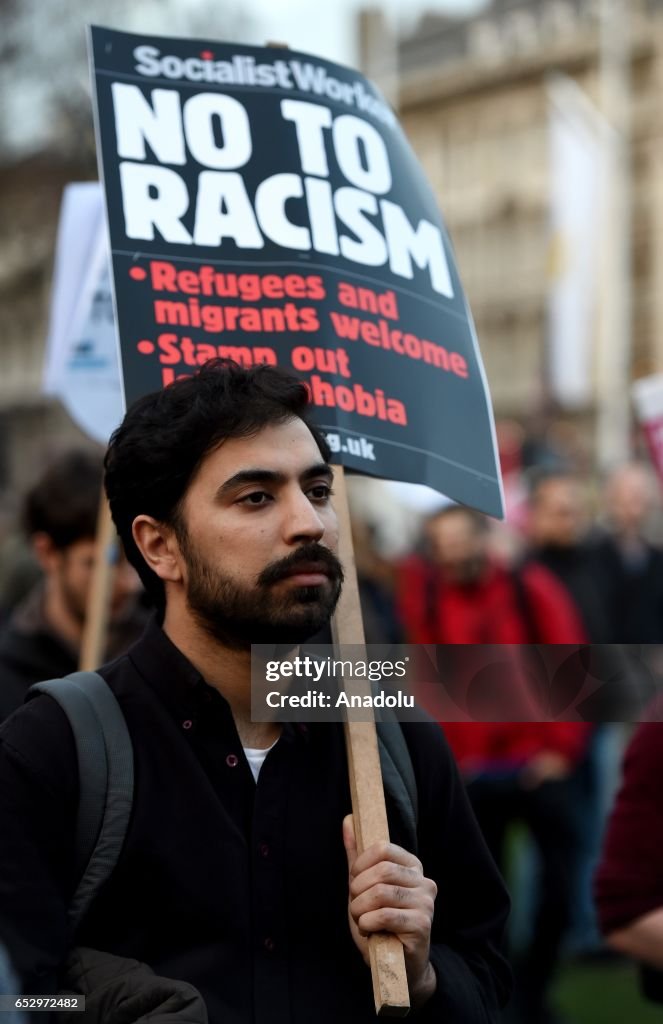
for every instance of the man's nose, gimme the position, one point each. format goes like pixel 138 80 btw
pixel 302 520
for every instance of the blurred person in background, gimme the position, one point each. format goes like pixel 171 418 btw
pixel 515 771
pixel 561 538
pixel 375 577
pixel 42 637
pixel 522 773
pixel 595 573
pixel 19 569
pixel 458 593
pixel 629 880
pixel 633 567
pixel 559 535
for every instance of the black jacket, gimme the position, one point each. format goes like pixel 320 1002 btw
pixel 122 991
pixel 635 592
pixel 581 570
pixel 239 890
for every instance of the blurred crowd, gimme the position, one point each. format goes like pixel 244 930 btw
pixel 577 563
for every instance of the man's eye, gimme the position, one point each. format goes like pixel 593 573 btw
pixel 321 492
pixel 255 498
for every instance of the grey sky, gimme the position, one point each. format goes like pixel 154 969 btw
pixel 48 36
pixel 328 30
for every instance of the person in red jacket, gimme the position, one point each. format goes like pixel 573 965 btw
pixel 514 770
pixel 460 595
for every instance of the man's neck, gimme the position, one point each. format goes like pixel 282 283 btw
pixel 226 669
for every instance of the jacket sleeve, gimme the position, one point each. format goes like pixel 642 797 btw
pixel 120 990
pixel 556 614
pixel 472 905
pixel 413 578
pixel 629 880
pixel 38 802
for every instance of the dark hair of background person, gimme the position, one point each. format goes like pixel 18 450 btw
pixel 538 479
pixel 154 454
pixel 64 503
pixel 480 523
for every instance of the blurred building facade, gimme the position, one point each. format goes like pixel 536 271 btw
pixel 32 427
pixel 472 94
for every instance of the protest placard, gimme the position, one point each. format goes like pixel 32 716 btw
pixel 648 398
pixel 265 205
pixel 81 365
pixel 82 368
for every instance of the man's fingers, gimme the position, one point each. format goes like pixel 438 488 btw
pixel 385 852
pixel 405 924
pixel 388 873
pixel 393 897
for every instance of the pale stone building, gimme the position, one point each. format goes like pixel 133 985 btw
pixel 471 94
pixel 32 426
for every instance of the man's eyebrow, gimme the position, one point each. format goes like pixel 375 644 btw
pixel 250 476
pixel 270 476
pixel 319 469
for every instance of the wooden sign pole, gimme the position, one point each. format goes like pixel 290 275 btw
pixel 98 604
pixel 390 987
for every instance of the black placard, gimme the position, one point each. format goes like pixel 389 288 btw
pixel 265 205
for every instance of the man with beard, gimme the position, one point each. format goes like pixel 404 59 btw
pixel 560 539
pixel 239 873
pixel 44 633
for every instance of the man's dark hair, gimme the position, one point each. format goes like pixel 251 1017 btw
pixel 480 523
pixel 64 502
pixel 154 454
pixel 539 479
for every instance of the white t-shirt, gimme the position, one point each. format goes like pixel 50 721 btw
pixel 256 758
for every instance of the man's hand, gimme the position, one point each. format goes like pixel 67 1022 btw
pixel 548 766
pixel 389 893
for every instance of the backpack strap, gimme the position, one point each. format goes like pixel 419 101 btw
pixel 398 776
pixel 106 779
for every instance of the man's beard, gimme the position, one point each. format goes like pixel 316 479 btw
pixel 238 615
pixel 467 572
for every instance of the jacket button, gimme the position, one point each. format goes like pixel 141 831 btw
pixel 263 850
pixel 232 760
pixel 269 945
pixel 187 723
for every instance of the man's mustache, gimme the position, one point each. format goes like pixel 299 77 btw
pixel 308 553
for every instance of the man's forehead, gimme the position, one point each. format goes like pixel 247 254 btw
pixel 558 489
pixel 282 447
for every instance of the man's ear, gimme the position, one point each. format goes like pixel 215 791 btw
pixel 158 545
pixel 45 551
